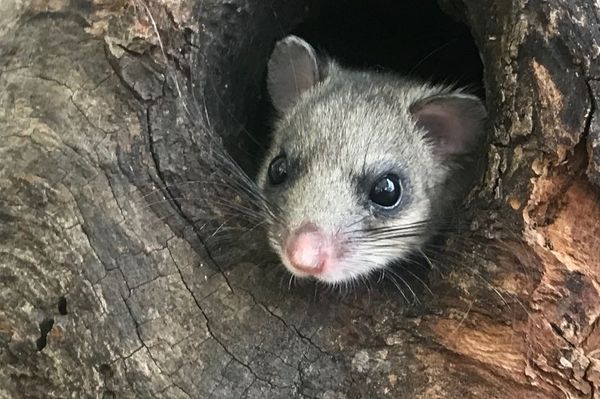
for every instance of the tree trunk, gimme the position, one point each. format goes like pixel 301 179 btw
pixel 111 282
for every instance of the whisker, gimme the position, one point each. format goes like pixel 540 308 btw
pixel 399 288
pixel 464 317
pixel 415 276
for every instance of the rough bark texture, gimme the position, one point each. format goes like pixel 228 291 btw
pixel 107 288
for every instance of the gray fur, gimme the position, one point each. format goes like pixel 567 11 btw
pixel 354 122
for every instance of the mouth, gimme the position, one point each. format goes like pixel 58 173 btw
pixel 324 273
pixel 328 260
pixel 318 271
pixel 339 270
pixel 331 272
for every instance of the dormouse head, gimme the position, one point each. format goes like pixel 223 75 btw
pixel 359 162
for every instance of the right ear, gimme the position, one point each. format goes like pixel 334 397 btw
pixel 292 69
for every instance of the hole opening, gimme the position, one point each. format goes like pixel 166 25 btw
pixel 410 38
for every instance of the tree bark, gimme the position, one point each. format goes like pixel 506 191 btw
pixel 111 284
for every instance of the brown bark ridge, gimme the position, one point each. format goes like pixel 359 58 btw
pixel 108 288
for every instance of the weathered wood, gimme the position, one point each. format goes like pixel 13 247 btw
pixel 110 285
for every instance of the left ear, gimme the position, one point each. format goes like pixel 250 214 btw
pixel 454 122
pixel 292 69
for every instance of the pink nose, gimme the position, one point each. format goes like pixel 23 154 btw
pixel 308 250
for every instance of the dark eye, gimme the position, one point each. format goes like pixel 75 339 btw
pixel 387 191
pixel 278 170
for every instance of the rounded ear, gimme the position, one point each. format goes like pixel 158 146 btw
pixel 292 69
pixel 454 122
